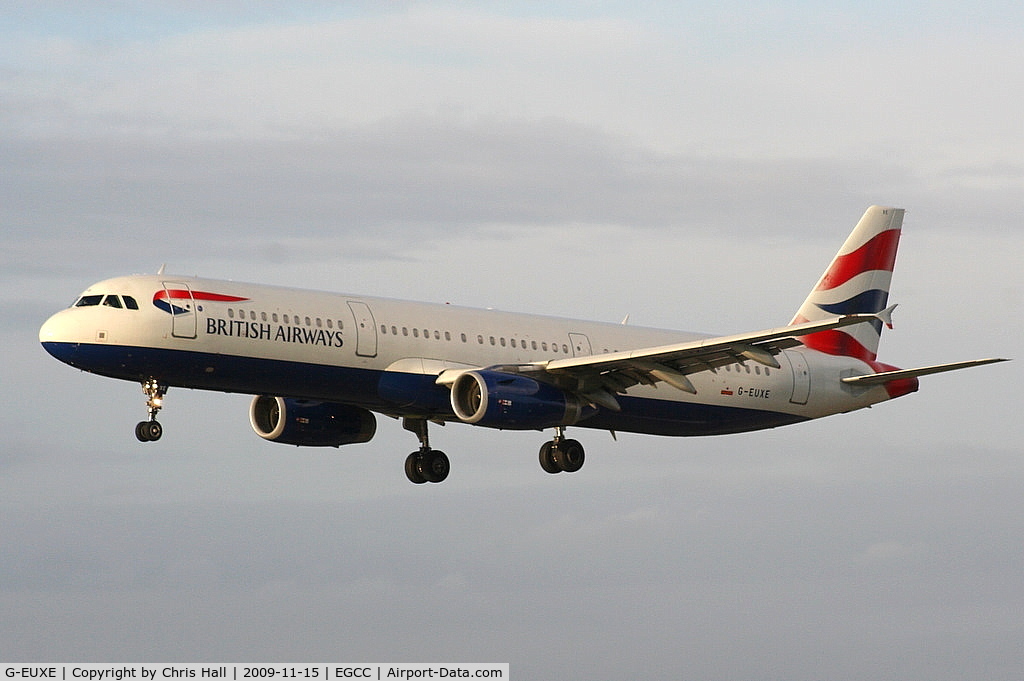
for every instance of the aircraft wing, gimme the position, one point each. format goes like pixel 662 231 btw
pixel 599 377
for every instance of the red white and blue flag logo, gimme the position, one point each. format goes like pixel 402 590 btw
pixel 176 301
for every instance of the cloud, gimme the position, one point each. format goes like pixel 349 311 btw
pixel 694 167
pixel 745 84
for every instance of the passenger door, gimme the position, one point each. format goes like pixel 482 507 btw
pixel 184 322
pixel 801 376
pixel 580 345
pixel 366 329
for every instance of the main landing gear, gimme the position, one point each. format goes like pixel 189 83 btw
pixel 561 455
pixel 151 430
pixel 425 465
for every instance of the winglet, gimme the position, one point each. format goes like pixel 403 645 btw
pixel 886 315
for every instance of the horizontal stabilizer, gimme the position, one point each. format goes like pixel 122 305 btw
pixel 886 376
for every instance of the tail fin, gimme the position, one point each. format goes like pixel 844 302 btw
pixel 857 281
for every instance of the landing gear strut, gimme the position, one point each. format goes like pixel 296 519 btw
pixel 151 430
pixel 425 465
pixel 561 455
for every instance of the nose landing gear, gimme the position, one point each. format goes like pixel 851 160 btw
pixel 151 430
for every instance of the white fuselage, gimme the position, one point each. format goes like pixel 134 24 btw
pixel 385 355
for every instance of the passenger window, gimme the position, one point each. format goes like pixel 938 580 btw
pixel 231 313
pixel 394 330
pixel 463 336
pixel 130 303
pixel 415 332
pixel 112 301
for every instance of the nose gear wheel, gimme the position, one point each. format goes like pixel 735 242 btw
pixel 151 430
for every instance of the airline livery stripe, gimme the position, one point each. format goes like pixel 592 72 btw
pixel 197 295
pixel 867 301
pixel 879 253
pixel 836 342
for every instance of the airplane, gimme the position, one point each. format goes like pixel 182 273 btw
pixel 320 365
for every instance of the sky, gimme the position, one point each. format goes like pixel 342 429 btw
pixel 693 166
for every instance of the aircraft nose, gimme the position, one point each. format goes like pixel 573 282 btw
pixel 56 338
pixel 50 330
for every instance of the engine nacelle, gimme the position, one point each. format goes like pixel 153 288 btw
pixel 310 424
pixel 499 400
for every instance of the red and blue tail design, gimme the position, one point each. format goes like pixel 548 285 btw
pixel 857 281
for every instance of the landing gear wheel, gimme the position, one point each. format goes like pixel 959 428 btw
pixel 434 466
pixel 568 455
pixel 151 430
pixel 148 431
pixel 426 465
pixel 547 461
pixel 412 469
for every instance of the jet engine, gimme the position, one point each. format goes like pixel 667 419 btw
pixel 309 423
pixel 510 401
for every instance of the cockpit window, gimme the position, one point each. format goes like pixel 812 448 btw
pixel 111 300
pixel 88 301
